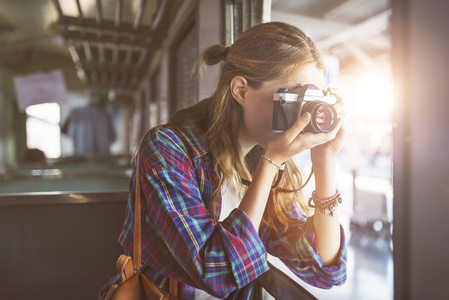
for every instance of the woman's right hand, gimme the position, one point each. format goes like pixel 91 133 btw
pixel 292 142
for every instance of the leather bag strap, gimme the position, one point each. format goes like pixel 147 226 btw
pixel 137 249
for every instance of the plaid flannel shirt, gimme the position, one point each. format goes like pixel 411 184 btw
pixel 182 239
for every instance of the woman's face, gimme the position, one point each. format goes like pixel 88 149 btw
pixel 258 106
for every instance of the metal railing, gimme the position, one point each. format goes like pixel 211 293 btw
pixel 280 286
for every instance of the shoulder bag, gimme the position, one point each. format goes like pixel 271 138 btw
pixel 134 285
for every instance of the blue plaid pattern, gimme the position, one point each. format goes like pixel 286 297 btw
pixel 182 239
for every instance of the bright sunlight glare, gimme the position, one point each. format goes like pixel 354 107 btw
pixel 373 96
pixel 43 130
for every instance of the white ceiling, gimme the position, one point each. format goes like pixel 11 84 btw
pixel 356 31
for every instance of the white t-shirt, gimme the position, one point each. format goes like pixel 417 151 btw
pixel 229 201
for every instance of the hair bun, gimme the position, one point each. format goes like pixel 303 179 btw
pixel 214 54
pixel 225 54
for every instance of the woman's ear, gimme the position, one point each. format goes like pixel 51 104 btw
pixel 239 87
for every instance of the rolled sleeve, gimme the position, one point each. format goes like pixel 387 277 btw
pixel 216 257
pixel 297 250
pixel 321 276
pixel 244 247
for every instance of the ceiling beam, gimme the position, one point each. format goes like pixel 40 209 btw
pixel 362 30
pixel 336 9
pixel 130 69
pixel 312 26
pixel 362 57
pixel 91 24
pixel 92 37
pixel 334 32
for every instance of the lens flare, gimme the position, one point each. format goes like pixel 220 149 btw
pixel 325 117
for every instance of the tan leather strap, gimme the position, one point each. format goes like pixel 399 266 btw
pixel 173 289
pixel 137 254
pixel 124 267
pixel 137 251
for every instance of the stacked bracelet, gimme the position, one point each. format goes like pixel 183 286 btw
pixel 326 206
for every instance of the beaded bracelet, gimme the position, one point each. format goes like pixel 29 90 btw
pixel 322 202
pixel 326 206
pixel 316 199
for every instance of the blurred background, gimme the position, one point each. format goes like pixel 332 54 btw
pixel 81 81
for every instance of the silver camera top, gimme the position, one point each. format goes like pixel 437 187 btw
pixel 302 92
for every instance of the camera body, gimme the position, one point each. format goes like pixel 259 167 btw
pixel 288 107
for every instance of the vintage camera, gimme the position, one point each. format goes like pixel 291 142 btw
pixel 288 107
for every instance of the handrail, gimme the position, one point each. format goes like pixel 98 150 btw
pixel 66 172
pixel 42 198
pixel 280 286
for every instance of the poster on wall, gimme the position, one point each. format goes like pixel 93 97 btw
pixel 37 88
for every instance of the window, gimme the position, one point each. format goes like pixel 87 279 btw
pixel 356 35
pixel 42 127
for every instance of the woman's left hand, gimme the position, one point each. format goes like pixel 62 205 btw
pixel 333 147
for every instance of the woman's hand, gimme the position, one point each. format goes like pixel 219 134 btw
pixel 292 142
pixel 327 228
pixel 331 148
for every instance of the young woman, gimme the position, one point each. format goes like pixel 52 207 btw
pixel 211 213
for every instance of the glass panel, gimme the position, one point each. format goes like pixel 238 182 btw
pixel 356 39
pixel 43 130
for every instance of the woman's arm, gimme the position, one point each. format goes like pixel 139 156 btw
pixel 327 227
pixel 324 149
pixel 256 197
pixel 324 157
pixel 278 150
pixel 180 238
pixel 296 248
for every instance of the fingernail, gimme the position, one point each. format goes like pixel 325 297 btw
pixel 306 116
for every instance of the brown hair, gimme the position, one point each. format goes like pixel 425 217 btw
pixel 264 52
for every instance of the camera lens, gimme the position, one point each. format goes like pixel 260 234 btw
pixel 324 116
